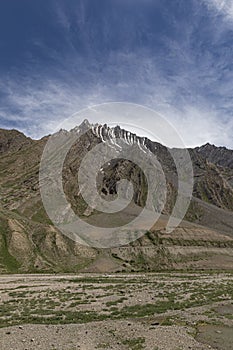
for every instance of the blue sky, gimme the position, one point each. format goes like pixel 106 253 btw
pixel 175 56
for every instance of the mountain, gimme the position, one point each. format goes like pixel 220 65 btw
pixel 220 156
pixel 12 141
pixel 217 155
pixel 29 242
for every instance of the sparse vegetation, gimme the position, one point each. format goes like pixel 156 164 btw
pixel 86 300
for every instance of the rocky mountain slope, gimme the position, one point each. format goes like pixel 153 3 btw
pixel 29 241
pixel 220 156
pixel 217 155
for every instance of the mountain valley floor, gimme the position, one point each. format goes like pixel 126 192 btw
pixel 156 311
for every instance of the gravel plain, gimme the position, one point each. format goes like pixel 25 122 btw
pixel 170 311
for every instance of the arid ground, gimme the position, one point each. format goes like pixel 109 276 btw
pixel 122 311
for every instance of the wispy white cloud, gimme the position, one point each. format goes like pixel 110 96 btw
pixel 188 78
pixel 224 7
pixel 42 105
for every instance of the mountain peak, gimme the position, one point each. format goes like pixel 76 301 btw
pixel 85 123
pixel 218 155
pixel 83 127
pixel 12 140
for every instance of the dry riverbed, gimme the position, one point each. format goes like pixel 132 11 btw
pixel 170 311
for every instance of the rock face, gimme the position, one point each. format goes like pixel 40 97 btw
pixel 13 141
pixel 29 242
pixel 220 156
pixel 216 155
